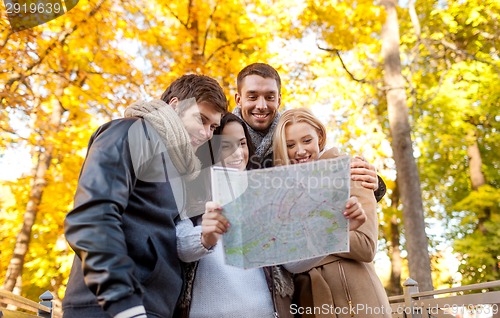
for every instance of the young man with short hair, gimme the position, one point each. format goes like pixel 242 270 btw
pixel 257 102
pixel 129 192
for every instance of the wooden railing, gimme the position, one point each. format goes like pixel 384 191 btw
pixel 20 307
pixel 477 300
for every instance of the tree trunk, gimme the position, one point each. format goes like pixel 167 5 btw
pixel 406 167
pixel 196 63
pixel 15 267
pixel 475 165
pixel 395 287
pixel 478 179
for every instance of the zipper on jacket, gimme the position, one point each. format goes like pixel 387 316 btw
pixel 343 279
pixel 276 315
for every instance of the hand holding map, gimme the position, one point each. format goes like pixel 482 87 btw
pixel 284 214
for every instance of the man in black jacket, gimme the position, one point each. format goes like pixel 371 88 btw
pixel 130 190
pixel 257 102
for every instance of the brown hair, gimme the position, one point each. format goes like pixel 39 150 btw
pixel 229 118
pixel 200 87
pixel 293 116
pixel 261 69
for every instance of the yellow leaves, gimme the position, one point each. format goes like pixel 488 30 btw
pixel 72 66
pixel 215 38
pixel 484 201
pixel 475 18
pixel 342 24
pixel 450 21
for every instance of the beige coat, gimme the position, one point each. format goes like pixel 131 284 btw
pixel 345 284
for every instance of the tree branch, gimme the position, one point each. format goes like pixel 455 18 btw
pixel 190 5
pixel 185 24
pixel 239 41
pixel 12 132
pixel 440 83
pixel 337 53
pixel 414 18
pixel 455 49
pixel 9 33
pixel 208 28
pixel 60 40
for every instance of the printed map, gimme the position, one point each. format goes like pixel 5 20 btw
pixel 284 214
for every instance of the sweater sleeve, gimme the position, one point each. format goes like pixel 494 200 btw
pixel 189 247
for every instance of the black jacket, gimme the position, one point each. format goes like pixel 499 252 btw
pixel 122 225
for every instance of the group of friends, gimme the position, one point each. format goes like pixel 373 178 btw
pixel 136 257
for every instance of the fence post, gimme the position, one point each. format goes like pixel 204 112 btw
pixel 411 287
pixel 46 300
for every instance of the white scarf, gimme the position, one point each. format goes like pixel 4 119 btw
pixel 172 132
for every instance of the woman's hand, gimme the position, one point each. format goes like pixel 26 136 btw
pixel 213 224
pixel 363 171
pixel 354 213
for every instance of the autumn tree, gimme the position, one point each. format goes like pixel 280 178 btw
pixel 455 61
pixel 217 38
pixel 406 167
pixel 64 78
pixel 349 38
pixel 57 77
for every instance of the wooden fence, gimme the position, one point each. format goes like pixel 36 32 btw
pixel 14 306
pixel 477 301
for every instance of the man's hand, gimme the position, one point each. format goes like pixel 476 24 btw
pixel 213 224
pixel 363 171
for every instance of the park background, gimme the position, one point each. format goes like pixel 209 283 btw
pixel 412 86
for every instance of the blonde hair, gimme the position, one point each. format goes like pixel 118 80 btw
pixel 293 116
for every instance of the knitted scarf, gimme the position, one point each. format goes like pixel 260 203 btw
pixel 262 140
pixel 172 132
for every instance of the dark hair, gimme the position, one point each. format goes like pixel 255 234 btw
pixel 262 69
pixel 200 87
pixel 209 153
pixel 229 118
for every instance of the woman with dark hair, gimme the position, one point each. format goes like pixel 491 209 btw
pixel 232 127
pixel 212 288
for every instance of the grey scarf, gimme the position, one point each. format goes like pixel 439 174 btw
pixel 172 132
pixel 262 141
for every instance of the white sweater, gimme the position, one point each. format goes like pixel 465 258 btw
pixel 220 290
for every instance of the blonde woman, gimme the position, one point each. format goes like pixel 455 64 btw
pixel 344 284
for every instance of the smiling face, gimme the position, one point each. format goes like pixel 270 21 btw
pixel 302 142
pixel 200 121
pixel 234 146
pixel 259 100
